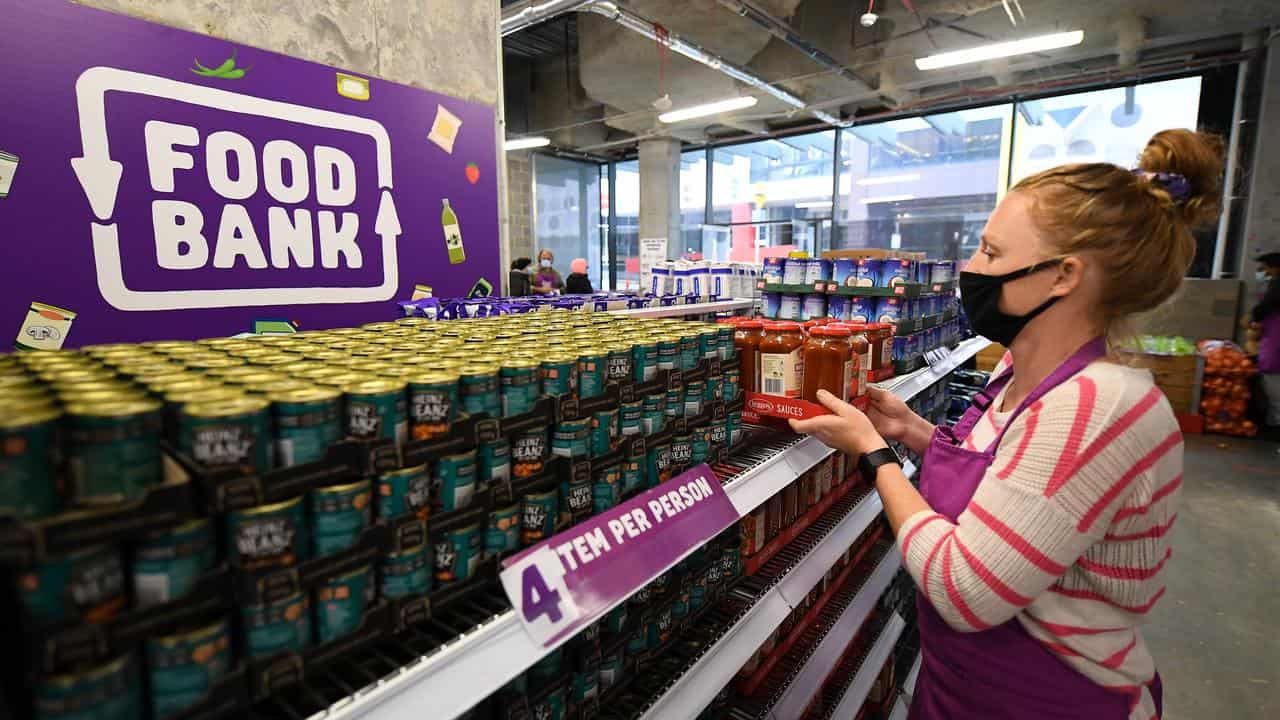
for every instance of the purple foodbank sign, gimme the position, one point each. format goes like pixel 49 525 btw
pixel 156 183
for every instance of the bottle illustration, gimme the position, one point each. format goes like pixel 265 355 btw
pixel 452 235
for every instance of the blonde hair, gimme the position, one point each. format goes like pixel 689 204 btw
pixel 1128 221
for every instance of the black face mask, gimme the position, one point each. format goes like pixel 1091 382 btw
pixel 980 296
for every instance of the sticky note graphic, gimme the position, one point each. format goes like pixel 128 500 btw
pixel 355 88
pixel 274 327
pixel 445 129
pixel 421 291
pixel 8 166
pixel 45 328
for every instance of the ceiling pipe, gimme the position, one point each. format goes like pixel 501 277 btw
pixel 784 32
pixel 519 17
pixel 531 12
pixel 639 24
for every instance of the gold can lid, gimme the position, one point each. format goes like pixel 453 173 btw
pixel 474 369
pixel 66 376
pixel 14 415
pixel 100 396
pixel 309 394
pixel 257 378
pixel 211 362
pixel 116 408
pixel 434 377
pixel 241 405
pixel 274 360
pixel 341 380
pixel 365 385
pixel 321 371
pixel 201 394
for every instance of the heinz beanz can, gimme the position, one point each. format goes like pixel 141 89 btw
pixel 185 666
pixel 115 450
pixel 111 691
pixel 539 512
pixel 308 421
pixel 529 452
pixel 407 572
pixel 653 414
pixel 376 409
pixel 341 602
pixel 570 438
pixel 502 535
pixel 605 432
pixel 520 386
pixel 87 585
pixel 28 455
pixel 405 491
pixel 454 482
pixel 268 536
pixel 228 433
pixel 277 627
pixel 493 463
pixel 606 491
pixel 167 564
pixel 456 554
pixel 339 513
pixel 433 403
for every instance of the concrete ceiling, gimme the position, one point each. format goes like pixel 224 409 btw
pixel 605 86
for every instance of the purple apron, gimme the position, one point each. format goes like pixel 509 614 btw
pixel 1001 672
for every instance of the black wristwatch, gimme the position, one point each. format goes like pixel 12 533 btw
pixel 868 464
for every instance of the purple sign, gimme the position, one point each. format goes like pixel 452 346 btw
pixel 568 581
pixel 156 183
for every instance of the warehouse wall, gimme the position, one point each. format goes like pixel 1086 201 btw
pixel 449 46
pixel 520 203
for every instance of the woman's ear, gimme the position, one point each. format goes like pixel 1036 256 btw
pixel 1070 276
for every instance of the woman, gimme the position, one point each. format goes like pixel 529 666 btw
pixel 1041 527
pixel 518 277
pixel 546 279
pixel 1266 316
pixel 578 283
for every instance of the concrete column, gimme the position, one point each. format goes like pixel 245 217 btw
pixel 660 191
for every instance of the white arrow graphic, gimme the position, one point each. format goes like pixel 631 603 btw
pixel 388 222
pixel 99 175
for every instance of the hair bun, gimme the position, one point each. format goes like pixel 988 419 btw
pixel 1196 156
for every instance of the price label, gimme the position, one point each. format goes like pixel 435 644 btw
pixel 937 356
pixel 535 584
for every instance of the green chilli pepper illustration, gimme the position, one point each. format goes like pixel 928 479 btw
pixel 227 70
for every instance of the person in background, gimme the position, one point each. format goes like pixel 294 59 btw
pixel 578 283
pixel 1266 316
pixel 546 279
pixel 518 279
pixel 1041 528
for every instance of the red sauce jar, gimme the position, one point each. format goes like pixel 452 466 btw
pixel 828 362
pixel 861 349
pixel 880 335
pixel 746 336
pixel 781 361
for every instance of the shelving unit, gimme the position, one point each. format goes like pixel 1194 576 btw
pixel 902 704
pixel 856 694
pixel 479 662
pixel 690 309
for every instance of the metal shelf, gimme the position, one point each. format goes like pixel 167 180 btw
pixel 690 309
pixel 476 664
pixel 856 694
pixel 694 690
pixel 795 700
pixel 899 709
pixel 909 685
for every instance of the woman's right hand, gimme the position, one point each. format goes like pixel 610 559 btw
pixel 891 417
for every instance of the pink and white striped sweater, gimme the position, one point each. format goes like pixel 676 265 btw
pixel 1069 530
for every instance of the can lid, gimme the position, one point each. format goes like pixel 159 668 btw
pixel 17 416
pixel 313 393
pixel 239 405
pixel 363 384
pixel 114 408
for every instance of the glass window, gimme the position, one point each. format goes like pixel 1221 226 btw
pixel 693 205
pixel 923 184
pixel 626 220
pixel 566 197
pixel 771 197
pixel 1100 126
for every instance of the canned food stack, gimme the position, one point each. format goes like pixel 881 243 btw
pixel 91 429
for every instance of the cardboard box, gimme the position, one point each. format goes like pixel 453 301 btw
pixel 989 356
pixel 1181 399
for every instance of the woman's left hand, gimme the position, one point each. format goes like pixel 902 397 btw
pixel 848 429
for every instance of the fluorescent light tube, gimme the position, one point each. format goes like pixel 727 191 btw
pixel 525 143
pixel 814 204
pixel 887 179
pixel 886 199
pixel 999 50
pixel 714 108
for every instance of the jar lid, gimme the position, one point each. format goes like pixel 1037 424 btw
pixel 750 324
pixel 831 331
pixel 782 325
pixel 879 326
pixel 854 327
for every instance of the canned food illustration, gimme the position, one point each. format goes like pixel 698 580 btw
pixel 46 326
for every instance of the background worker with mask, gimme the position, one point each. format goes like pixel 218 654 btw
pixel 546 279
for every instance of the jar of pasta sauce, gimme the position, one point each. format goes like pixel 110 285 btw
pixel 861 350
pixel 880 335
pixel 828 362
pixel 781 360
pixel 746 337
